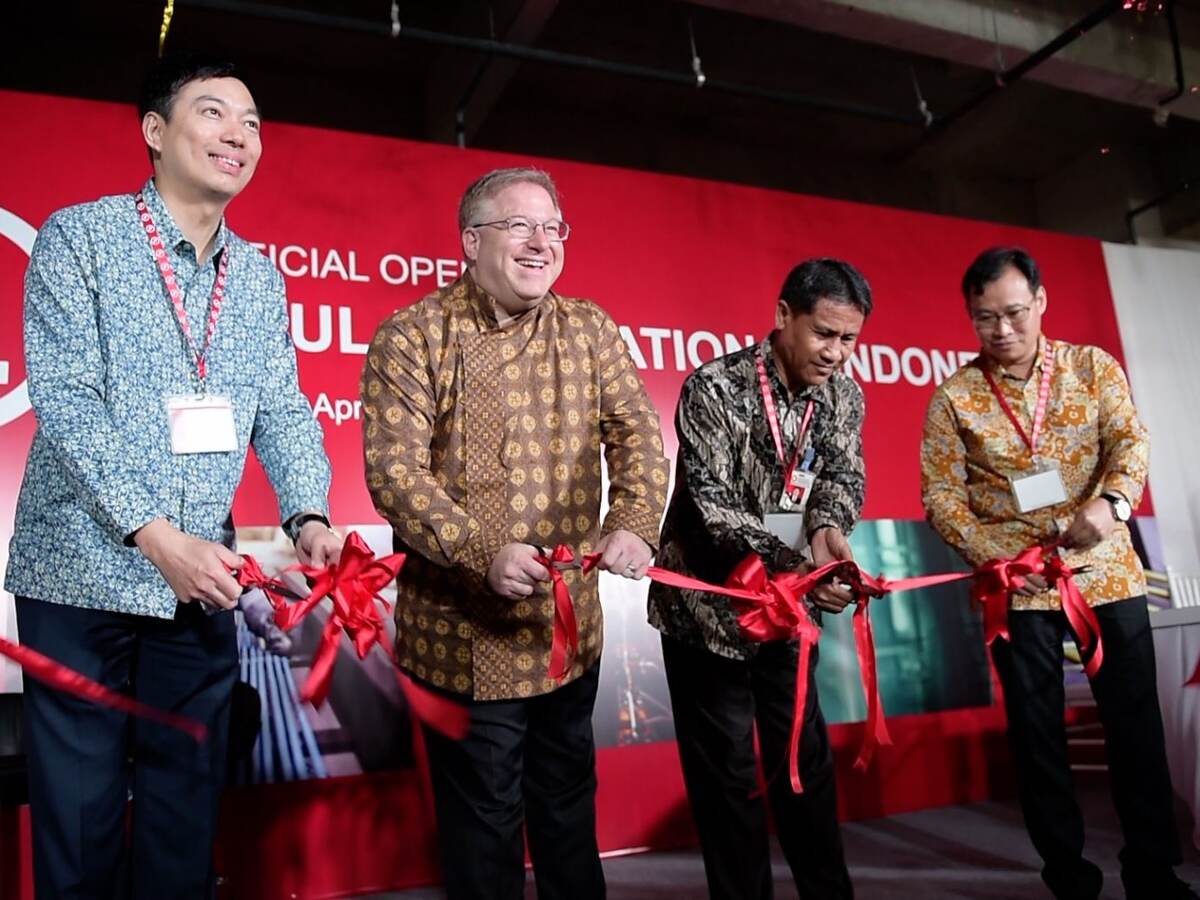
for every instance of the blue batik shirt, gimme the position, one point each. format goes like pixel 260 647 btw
pixel 103 349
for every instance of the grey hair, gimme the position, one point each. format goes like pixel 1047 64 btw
pixel 484 188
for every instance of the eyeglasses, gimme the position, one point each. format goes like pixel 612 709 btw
pixel 523 229
pixel 990 321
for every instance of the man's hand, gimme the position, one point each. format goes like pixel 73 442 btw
pixel 196 570
pixel 624 553
pixel 1031 585
pixel 317 544
pixel 1092 524
pixel 829 544
pixel 515 571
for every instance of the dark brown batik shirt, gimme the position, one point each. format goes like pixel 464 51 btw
pixel 478 435
pixel 728 477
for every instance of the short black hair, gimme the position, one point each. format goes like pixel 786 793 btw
pixel 831 279
pixel 992 263
pixel 169 74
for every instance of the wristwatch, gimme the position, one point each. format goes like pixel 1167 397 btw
pixel 293 525
pixel 1120 506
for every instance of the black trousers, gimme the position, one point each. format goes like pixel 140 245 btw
pixel 1030 669
pixel 716 702
pixel 528 763
pixel 84 759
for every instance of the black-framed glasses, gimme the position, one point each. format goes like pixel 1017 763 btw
pixel 523 228
pixel 990 321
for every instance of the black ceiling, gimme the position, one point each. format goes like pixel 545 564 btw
pixel 990 163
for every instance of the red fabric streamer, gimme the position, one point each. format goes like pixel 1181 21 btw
pixel 352 584
pixel 62 678
pixel 769 609
pixel 1195 679
pixel 773 609
pixel 865 588
pixel 564 645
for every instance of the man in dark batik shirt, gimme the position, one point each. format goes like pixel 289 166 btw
pixel 731 475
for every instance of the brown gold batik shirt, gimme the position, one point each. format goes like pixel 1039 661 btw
pixel 478 435
pixel 1092 432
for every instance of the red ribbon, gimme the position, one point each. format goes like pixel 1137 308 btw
pixel 62 678
pixel 999 577
pixel 1195 679
pixel 776 611
pixel 865 588
pixel 352 584
pixel 564 645
pixel 769 609
pixel 773 609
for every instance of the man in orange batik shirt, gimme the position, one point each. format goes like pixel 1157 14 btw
pixel 1039 440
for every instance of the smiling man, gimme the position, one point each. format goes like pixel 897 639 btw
pixel 770 462
pixel 157 351
pixel 486 406
pixel 1036 441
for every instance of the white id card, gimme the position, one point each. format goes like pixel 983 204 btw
pixel 1038 489
pixel 201 423
pixel 788 527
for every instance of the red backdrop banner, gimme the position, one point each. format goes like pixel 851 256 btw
pixel 362 225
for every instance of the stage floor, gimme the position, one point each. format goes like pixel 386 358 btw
pixel 974 851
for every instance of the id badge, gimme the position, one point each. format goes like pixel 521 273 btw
pixel 1038 489
pixel 788 527
pixel 201 423
pixel 795 497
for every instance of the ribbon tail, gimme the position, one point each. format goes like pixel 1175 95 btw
pixel 564 647
pixel 876 727
pixel 62 678
pixel 440 713
pixel 1085 624
pixel 798 708
pixel 1195 679
pixel 994 600
pixel 320 676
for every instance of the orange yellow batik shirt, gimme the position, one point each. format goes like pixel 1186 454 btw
pixel 1092 431
pixel 478 435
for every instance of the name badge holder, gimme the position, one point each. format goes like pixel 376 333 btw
pixel 201 422
pixel 1042 486
pixel 798 480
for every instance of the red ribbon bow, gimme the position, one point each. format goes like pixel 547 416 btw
pixel 775 611
pixel 769 609
pixel 352 584
pixel 772 609
pixel 998 577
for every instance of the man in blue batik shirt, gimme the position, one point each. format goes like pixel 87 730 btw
pixel 157 351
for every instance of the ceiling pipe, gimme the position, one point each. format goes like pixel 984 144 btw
pixel 552 57
pixel 1173 30
pixel 1039 56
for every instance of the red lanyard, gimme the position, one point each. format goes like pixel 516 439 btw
pixel 773 420
pixel 168 276
pixel 1039 413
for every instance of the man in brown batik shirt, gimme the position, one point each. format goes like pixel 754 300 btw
pixel 486 405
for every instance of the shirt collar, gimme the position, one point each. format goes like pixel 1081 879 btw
pixel 171 236
pixel 484 305
pixel 817 392
pixel 998 370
